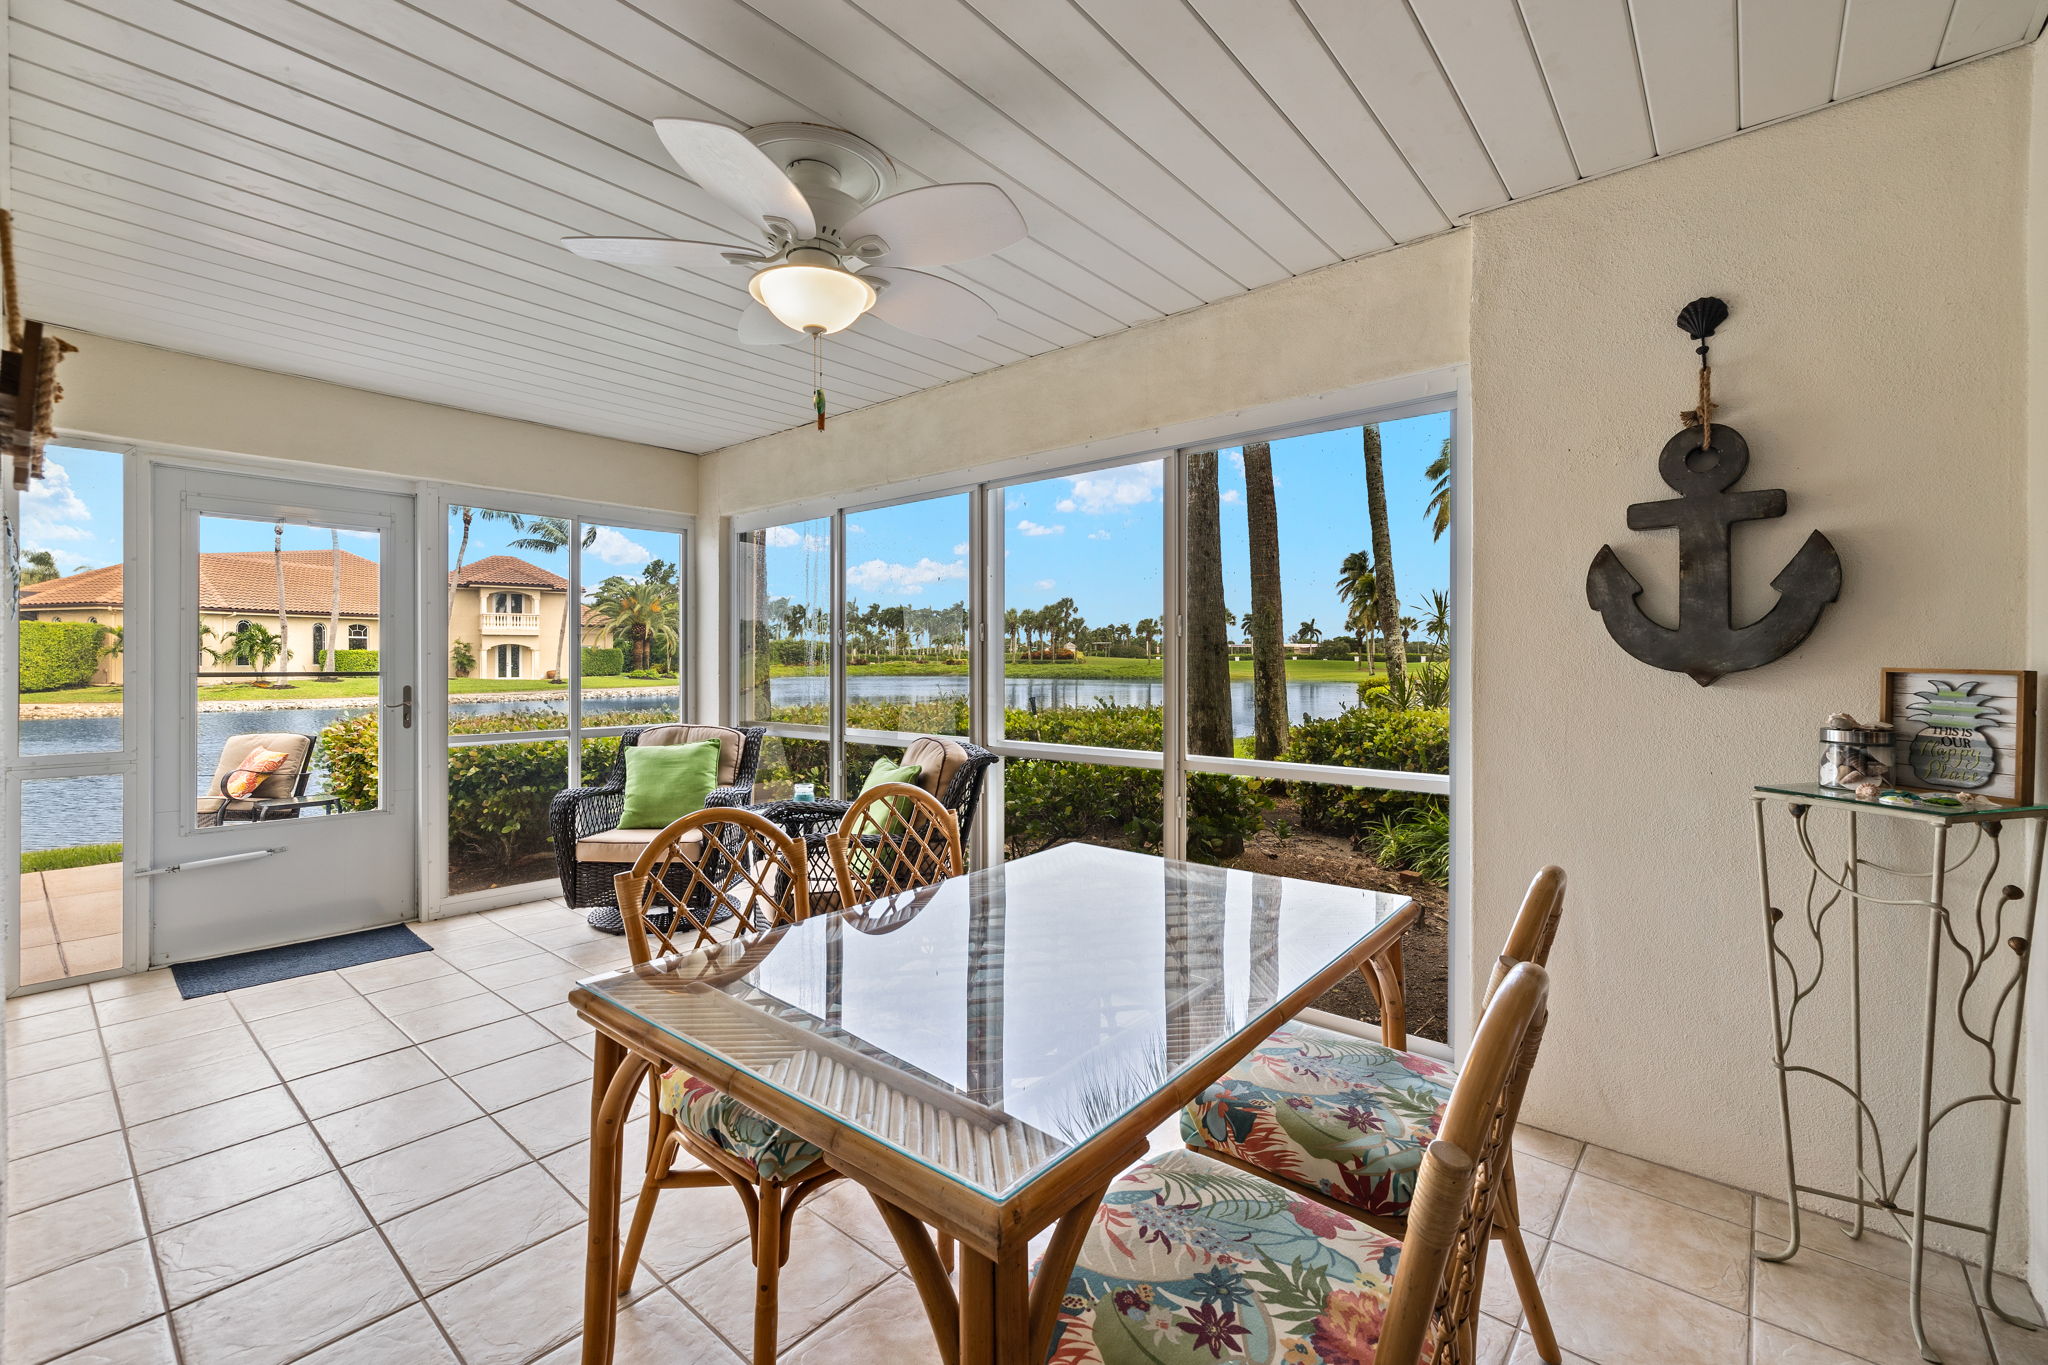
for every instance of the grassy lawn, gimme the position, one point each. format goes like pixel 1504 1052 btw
pixel 347 687
pixel 81 855
pixel 1298 670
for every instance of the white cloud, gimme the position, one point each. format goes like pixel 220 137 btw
pixel 1098 535
pixel 1045 585
pixel 961 549
pixel 1032 528
pixel 51 510
pixel 787 537
pixel 614 548
pixel 1227 495
pixel 877 575
pixel 1111 490
pixel 854 528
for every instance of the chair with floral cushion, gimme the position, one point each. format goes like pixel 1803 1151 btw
pixel 1347 1120
pixel 1190 1259
pixel 717 878
pixel 261 777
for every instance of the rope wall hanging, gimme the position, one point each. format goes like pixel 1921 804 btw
pixel 28 375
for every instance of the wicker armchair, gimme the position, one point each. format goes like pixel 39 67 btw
pixel 590 848
pixel 950 769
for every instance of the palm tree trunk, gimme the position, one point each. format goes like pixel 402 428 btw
pixel 283 625
pixel 1208 651
pixel 1387 603
pixel 334 610
pixel 461 554
pixel 1269 644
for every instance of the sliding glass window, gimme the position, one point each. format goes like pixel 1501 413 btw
pixel 563 631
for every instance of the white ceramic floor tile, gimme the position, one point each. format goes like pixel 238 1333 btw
pixel 59 1125
pixel 199 1052
pixel 550 1122
pixel 326 1051
pixel 66 1083
pixel 495 1042
pixel 146 1343
pixel 827 1271
pixel 409 1177
pixel 480 1226
pixel 1682 1247
pixel 1863 1311
pixel 1873 1250
pixel 504 1084
pixel 290 996
pixel 80 1303
pixel 25 1059
pixel 160 1096
pixel 658 1329
pixel 397 1119
pixel 394 971
pixel 545 991
pixel 37 1003
pixel 1776 1346
pixel 56 1023
pixel 73 1229
pixel 417 995
pixel 408 1338
pixel 335 1016
pixel 887 1323
pixel 185 1019
pixel 345 1087
pixel 456 1016
pixel 195 1132
pixel 513 971
pixel 65 1171
pixel 206 1184
pixel 1609 1314
pixel 1722 1201
pixel 521 1307
pixel 224 1248
pixel 280 1314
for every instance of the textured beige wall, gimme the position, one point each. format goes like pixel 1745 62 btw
pixel 1873 255
pixel 128 391
pixel 1379 317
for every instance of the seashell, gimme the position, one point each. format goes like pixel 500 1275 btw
pixel 1842 720
pixel 1699 318
pixel 1868 791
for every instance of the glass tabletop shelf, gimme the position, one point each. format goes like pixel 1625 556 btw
pixel 1973 813
pixel 989 1025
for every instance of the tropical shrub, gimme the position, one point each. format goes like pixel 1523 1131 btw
pixel 1419 839
pixel 603 663
pixel 462 658
pixel 352 660
pixel 1426 687
pixel 1367 737
pixel 797 653
pixel 57 654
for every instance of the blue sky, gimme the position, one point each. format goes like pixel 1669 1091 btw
pixel 74 511
pixel 1096 537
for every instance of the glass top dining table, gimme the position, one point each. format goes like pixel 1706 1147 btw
pixel 986 1027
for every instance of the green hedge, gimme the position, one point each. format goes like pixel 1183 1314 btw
pixel 603 663
pixel 59 654
pixel 349 660
pixel 1367 737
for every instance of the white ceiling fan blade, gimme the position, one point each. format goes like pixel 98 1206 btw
pixel 939 224
pixel 724 163
pixel 657 251
pixel 928 305
pixel 759 327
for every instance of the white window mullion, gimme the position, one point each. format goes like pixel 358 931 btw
pixel 1173 790
pixel 835 657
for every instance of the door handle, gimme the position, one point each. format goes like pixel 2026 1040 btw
pixel 403 706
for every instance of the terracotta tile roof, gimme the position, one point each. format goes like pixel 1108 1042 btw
pixel 236 581
pixel 507 571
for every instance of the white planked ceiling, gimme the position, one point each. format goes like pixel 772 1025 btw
pixel 370 192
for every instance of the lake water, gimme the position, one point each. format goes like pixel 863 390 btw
pixel 60 812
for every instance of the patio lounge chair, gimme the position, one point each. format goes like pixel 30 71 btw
pixel 280 792
pixel 591 849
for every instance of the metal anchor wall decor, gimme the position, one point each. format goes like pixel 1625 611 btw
pixel 1700 464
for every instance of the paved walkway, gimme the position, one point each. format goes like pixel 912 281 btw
pixel 70 922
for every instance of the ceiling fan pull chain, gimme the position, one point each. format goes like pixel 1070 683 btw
pixel 818 376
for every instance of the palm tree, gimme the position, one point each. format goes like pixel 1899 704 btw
pixel 469 515
pixel 277 561
pixel 250 643
pixel 1386 602
pixel 643 613
pixel 1438 472
pixel 1208 648
pixel 1358 589
pixel 333 608
pixel 1147 631
pixel 547 535
pixel 1269 645
pixel 38 566
pixel 1306 633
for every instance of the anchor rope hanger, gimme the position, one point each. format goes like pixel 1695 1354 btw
pixel 1699 319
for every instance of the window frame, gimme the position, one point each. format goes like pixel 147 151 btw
pixel 1444 391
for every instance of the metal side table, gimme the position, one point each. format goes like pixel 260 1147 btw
pixel 1978 894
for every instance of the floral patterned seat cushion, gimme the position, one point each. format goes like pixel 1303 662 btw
pixel 772 1151
pixel 1342 1115
pixel 1191 1261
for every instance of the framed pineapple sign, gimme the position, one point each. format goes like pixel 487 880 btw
pixel 1963 730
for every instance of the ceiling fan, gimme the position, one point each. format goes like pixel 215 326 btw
pixel 837 245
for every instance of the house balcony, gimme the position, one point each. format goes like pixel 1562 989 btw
pixel 509 623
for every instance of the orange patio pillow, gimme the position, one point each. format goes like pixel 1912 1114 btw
pixel 244 781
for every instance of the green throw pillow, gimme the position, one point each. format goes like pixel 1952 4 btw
pixel 665 782
pixel 889 770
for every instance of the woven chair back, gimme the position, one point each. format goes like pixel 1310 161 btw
pixel 893 838
pixel 712 876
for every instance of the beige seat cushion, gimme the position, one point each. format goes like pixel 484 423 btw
pixel 937 761
pixel 730 743
pixel 624 845
pixel 278 786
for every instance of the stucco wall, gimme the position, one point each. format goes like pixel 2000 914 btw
pixel 127 391
pixel 1873 255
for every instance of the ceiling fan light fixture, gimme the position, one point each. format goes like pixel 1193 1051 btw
pixel 819 299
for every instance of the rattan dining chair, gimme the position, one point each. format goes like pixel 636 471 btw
pixel 893 838
pixel 1184 1246
pixel 1368 1167
pixel 716 876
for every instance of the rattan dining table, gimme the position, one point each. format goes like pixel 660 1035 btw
pixel 984 1055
